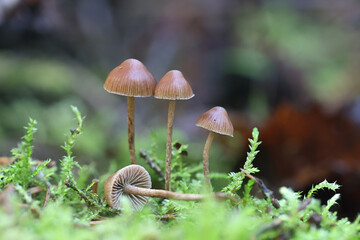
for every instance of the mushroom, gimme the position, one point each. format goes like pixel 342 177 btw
pixel 172 86
pixel 132 175
pixel 132 79
pixel 216 120
pixel 134 182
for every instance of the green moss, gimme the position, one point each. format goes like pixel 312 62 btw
pixel 72 206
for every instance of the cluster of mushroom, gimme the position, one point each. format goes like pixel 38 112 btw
pixel 132 79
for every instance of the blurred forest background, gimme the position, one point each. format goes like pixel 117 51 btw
pixel 290 68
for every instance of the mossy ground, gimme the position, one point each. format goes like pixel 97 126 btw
pixel 41 201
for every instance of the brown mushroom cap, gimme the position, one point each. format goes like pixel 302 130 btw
pixel 130 78
pixel 134 175
pixel 216 120
pixel 173 86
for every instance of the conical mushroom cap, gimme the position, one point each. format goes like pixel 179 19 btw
pixel 173 86
pixel 130 78
pixel 216 120
pixel 134 175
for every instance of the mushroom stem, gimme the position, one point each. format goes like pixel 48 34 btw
pixel 131 137
pixel 130 189
pixel 206 158
pixel 169 143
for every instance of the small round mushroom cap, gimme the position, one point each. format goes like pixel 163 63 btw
pixel 131 78
pixel 216 120
pixel 173 86
pixel 134 175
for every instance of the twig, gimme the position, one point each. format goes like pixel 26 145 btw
pixel 267 192
pixel 48 186
pixel 29 203
pixel 33 210
pixel 92 223
pixel 91 202
pixel 152 164
pixel 304 204
pixel 221 195
pixel 314 219
pixel 82 194
pixel 34 190
pixel 166 216
pixel 47 193
pixel 272 225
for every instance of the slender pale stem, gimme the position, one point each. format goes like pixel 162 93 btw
pixel 169 143
pixel 131 129
pixel 206 158
pixel 129 189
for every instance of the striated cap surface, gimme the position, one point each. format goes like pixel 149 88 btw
pixel 173 86
pixel 130 78
pixel 216 120
pixel 134 175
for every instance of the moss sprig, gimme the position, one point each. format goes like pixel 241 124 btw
pixel 236 179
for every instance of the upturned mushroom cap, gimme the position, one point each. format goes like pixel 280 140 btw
pixel 173 86
pixel 216 120
pixel 134 175
pixel 130 78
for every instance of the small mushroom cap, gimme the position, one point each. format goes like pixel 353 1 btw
pixel 130 78
pixel 173 86
pixel 216 120
pixel 134 175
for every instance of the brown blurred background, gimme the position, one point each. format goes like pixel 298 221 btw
pixel 288 67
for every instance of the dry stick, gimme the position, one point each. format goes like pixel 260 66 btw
pixel 131 131
pixel 82 194
pixel 93 223
pixel 166 216
pixel 272 225
pixel 47 196
pixel 277 222
pixel 47 193
pixel 206 158
pixel 34 190
pixel 152 164
pixel 39 189
pixel 48 186
pixel 129 189
pixel 88 200
pixel 267 192
pixel 304 204
pixel 169 143
pixel 34 211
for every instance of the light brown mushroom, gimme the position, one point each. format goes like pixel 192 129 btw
pixel 132 79
pixel 133 175
pixel 134 182
pixel 216 120
pixel 173 86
